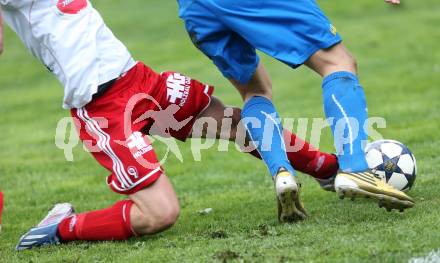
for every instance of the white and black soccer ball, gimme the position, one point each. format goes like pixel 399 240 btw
pixel 393 162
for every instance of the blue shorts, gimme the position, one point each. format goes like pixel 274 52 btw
pixel 230 31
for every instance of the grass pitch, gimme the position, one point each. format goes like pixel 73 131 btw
pixel 397 49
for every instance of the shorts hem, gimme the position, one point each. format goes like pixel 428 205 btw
pixel 249 73
pixel 153 178
pixel 209 93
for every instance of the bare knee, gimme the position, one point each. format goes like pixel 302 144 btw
pixel 164 220
pixel 334 59
pixel 167 218
pixel 260 84
pixel 348 62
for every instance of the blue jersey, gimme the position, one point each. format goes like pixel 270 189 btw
pixel 229 32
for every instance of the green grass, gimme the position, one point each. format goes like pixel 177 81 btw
pixel 397 50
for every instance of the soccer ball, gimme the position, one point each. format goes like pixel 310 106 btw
pixel 393 162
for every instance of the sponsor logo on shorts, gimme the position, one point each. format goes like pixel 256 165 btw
pixel 178 87
pixel 133 172
pixel 333 30
pixel 136 143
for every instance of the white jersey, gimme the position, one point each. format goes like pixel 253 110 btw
pixel 70 38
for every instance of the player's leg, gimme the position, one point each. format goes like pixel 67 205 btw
pixel 289 207
pixel 151 205
pixel 344 102
pixel 191 106
pixel 336 58
pixel 147 211
pixel 295 32
pixel 259 84
pixel 238 61
pixel 285 30
pixel 265 130
pixel 306 159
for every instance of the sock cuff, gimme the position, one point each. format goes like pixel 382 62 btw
pixel 339 75
pixel 256 100
pixel 126 205
pixel 65 230
pixel 353 163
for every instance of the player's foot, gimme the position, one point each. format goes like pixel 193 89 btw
pixel 327 184
pixel 290 208
pixel 45 233
pixel 368 185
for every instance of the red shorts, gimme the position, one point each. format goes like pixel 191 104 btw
pixel 114 126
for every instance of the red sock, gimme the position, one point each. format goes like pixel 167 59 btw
pixel 308 159
pixel 112 223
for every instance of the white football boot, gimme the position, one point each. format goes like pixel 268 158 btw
pixel 46 232
pixel 290 208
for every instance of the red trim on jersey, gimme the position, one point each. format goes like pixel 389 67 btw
pixel 71 7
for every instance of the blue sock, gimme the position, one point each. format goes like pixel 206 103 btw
pixel 264 127
pixel 344 101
